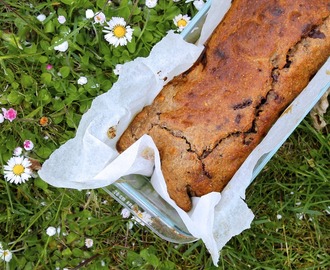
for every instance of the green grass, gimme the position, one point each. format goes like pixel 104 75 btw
pixel 290 198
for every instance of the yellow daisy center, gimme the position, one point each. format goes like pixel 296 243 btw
pixel 182 23
pixel 18 169
pixel 119 31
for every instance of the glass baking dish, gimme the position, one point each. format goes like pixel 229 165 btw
pixel 136 193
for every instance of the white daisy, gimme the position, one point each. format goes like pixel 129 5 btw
pixel 117 33
pixel 6 255
pixel 151 3
pixel 99 18
pixel 181 21
pixel 17 170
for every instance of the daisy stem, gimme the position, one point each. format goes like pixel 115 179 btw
pixel 23 55
pixel 144 26
pixel 9 197
pixel 7 188
pixel 44 252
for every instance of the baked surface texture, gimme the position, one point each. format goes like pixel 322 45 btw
pixel 206 121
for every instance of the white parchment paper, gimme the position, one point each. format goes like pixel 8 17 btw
pixel 90 159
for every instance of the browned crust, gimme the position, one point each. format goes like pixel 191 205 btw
pixel 206 121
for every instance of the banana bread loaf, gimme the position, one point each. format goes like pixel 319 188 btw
pixel 206 121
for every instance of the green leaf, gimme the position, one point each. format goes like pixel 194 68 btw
pixel 9 75
pixel 43 152
pixel 49 27
pixel 40 184
pixel 72 237
pixel 26 80
pixel 76 252
pixel 45 45
pixel 65 71
pixel 15 97
pixel 68 2
pixel 131 46
pixel 46 78
pixel 15 85
pixel 43 59
pixel 149 257
pixel 45 96
pixel 67 252
pixel 147 36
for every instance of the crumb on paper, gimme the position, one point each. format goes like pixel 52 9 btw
pixel 112 132
pixel 148 154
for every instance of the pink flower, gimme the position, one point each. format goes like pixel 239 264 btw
pixel 49 67
pixel 28 145
pixel 9 114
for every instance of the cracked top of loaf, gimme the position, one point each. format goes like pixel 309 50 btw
pixel 206 121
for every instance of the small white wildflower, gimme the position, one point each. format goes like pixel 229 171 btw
pixel 6 255
pixel 18 151
pixel 298 203
pixel 62 47
pixel 51 231
pixel 89 14
pixel 125 213
pixel 89 242
pixel 176 0
pixel 82 80
pixel 117 69
pixel 99 18
pixel 1 118
pixel 61 19
pixel 278 216
pixel 41 17
pixel 151 3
